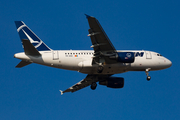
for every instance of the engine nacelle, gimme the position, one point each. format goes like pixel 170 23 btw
pixel 125 57
pixel 113 82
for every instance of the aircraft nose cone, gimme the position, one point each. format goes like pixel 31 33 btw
pixel 168 63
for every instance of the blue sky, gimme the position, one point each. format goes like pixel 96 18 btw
pixel 32 92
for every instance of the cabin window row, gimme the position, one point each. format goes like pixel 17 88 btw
pixel 78 53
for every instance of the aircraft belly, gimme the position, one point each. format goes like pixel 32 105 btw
pixel 108 69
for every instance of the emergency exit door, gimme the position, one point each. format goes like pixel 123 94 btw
pixel 148 55
pixel 55 55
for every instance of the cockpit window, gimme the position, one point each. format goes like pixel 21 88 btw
pixel 159 55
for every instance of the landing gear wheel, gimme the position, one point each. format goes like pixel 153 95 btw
pixel 93 86
pixel 147 73
pixel 148 78
pixel 100 69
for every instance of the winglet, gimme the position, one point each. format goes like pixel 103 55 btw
pixel 87 16
pixel 61 92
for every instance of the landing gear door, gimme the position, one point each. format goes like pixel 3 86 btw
pixel 148 55
pixel 55 55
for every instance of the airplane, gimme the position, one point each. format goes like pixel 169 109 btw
pixel 99 64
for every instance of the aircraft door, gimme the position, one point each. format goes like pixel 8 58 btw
pixel 55 55
pixel 148 55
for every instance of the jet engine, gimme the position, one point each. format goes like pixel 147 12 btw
pixel 112 82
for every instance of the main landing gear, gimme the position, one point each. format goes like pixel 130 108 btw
pixel 93 85
pixel 147 74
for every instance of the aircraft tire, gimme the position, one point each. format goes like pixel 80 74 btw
pixel 93 85
pixel 148 78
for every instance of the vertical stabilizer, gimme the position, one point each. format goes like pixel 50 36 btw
pixel 25 33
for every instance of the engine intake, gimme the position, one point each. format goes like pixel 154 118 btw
pixel 113 82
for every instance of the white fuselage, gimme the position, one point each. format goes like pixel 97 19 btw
pixel 81 61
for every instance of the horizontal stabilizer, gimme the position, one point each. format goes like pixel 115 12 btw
pixel 22 64
pixel 29 49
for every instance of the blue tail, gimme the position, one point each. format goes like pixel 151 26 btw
pixel 26 33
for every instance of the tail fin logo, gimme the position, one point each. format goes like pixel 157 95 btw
pixel 25 30
pixel 26 33
pixel 31 40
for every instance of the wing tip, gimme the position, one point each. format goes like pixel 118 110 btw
pixel 87 16
pixel 61 92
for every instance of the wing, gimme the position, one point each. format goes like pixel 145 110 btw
pixel 80 85
pixel 85 82
pixel 103 48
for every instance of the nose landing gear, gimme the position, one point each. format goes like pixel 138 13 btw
pixel 147 74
